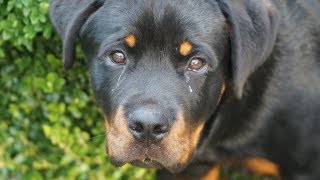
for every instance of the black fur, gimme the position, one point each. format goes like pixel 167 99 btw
pixel 249 20
pixel 265 52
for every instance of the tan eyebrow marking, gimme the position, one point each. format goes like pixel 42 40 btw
pixel 130 40
pixel 185 48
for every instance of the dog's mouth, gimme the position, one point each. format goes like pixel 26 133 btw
pixel 154 164
pixel 148 159
pixel 144 163
pixel 147 163
pixel 173 152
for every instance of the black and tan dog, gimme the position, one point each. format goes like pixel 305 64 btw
pixel 187 84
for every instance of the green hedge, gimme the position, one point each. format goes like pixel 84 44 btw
pixel 50 126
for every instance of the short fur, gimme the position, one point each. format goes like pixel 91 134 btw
pixel 265 53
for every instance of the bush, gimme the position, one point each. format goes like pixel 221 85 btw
pixel 49 122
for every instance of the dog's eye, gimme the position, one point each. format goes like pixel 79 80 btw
pixel 118 57
pixel 196 64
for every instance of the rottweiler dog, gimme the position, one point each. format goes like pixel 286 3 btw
pixel 188 84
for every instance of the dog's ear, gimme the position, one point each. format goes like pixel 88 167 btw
pixel 254 26
pixel 68 18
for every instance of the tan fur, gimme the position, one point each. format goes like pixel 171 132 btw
pixel 118 136
pixel 212 174
pixel 185 48
pixel 222 91
pixel 261 166
pixel 257 166
pixel 269 6
pixel 185 136
pixel 130 40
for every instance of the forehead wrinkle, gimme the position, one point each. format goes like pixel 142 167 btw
pixel 157 34
pixel 173 27
pixel 202 19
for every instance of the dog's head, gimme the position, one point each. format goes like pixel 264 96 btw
pixel 160 68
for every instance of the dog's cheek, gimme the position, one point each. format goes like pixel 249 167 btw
pixel 214 96
pixel 119 138
pixel 101 80
pixel 181 143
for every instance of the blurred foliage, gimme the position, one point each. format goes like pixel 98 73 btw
pixel 50 125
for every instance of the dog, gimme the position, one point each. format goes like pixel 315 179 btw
pixel 187 85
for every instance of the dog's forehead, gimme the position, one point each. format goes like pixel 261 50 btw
pixel 165 19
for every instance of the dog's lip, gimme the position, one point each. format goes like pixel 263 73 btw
pixel 144 163
pixel 117 163
pixel 147 163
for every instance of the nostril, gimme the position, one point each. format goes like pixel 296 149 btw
pixel 137 127
pixel 159 129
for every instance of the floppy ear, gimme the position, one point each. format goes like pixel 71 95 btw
pixel 68 18
pixel 254 26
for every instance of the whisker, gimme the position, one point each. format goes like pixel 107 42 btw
pixel 94 137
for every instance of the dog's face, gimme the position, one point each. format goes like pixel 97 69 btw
pixel 160 68
pixel 157 72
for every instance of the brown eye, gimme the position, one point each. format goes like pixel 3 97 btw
pixel 196 64
pixel 118 57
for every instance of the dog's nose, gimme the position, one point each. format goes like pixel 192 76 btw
pixel 148 126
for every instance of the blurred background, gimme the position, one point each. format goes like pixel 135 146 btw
pixel 50 125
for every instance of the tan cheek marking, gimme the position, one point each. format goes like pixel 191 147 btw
pixel 130 40
pixel 196 133
pixel 118 135
pixel 212 174
pixel 185 48
pixel 183 139
pixel 178 147
pixel 261 166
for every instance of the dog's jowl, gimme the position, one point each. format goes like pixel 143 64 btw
pixel 188 86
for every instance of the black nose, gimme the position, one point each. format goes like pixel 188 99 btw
pixel 148 126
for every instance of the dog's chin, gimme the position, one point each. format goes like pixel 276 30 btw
pixel 149 163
